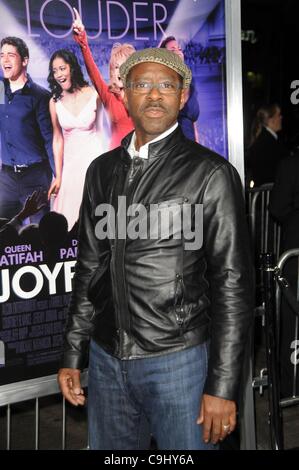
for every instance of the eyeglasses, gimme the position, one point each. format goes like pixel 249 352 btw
pixel 143 88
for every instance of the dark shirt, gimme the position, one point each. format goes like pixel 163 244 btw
pixel 263 157
pixel 25 124
pixel 189 114
pixel 284 201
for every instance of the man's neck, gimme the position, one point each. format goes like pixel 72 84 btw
pixel 141 140
pixel 142 151
pixel 18 83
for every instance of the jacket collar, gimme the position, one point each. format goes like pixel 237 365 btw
pixel 157 149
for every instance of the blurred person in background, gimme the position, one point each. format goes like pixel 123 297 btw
pixel 265 150
pixel 190 112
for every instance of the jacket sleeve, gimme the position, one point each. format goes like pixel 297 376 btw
pixel 230 275
pixel 78 326
pixel 92 69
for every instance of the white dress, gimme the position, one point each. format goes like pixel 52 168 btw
pixel 82 143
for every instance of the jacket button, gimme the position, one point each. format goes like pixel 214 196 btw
pixel 186 199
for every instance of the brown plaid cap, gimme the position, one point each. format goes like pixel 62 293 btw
pixel 159 56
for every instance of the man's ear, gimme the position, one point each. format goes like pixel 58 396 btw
pixel 184 97
pixel 25 61
pixel 125 100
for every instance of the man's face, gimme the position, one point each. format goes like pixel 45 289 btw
pixel 12 64
pixel 275 122
pixel 153 111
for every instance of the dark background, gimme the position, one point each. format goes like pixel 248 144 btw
pixel 272 63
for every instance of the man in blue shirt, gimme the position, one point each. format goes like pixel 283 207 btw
pixel 26 133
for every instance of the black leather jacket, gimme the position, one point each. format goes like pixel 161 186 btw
pixel 144 297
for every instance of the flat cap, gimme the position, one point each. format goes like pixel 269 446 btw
pixel 159 56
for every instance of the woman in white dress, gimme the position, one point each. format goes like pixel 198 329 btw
pixel 74 109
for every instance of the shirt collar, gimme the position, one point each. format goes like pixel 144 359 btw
pixel 143 151
pixel 272 132
pixel 27 84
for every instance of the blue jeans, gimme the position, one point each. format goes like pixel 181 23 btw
pixel 130 400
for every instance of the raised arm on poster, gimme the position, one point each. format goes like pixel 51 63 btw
pixel 111 95
pixel 76 142
pixel 33 204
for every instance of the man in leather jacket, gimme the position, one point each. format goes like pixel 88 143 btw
pixel 164 320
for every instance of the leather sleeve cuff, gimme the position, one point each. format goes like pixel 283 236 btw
pixel 73 360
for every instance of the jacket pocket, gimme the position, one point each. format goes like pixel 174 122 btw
pixel 166 220
pixel 170 202
pixel 179 310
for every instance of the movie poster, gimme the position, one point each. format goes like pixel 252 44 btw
pixel 37 259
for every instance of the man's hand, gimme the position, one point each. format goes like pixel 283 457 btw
pixel 70 386
pixel 33 203
pixel 218 417
pixel 78 26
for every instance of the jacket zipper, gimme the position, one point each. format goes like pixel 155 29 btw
pixel 112 265
pixel 131 182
